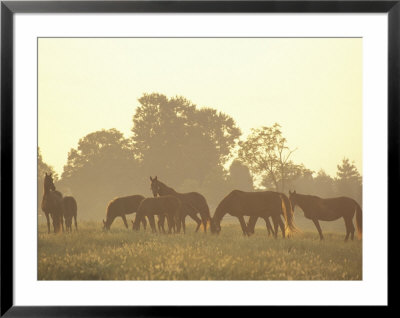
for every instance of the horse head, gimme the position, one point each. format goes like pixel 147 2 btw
pixel 155 186
pixel 215 227
pixel 293 198
pixel 48 182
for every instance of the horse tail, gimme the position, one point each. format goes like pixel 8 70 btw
pixel 288 215
pixel 359 221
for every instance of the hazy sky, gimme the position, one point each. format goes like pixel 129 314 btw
pixel 312 87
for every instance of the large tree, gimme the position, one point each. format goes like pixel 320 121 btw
pixel 240 177
pixel 99 169
pixel 266 153
pixel 348 180
pixel 176 140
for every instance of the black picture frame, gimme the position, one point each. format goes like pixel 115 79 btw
pixel 9 8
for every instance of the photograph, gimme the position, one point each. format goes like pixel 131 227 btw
pixel 200 158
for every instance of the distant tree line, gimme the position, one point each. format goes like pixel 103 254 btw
pixel 187 147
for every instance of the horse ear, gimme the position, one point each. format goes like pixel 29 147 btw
pixel 290 192
pixel 50 174
pixel 46 174
pixel 294 192
pixel 104 222
pixel 151 179
pixel 155 178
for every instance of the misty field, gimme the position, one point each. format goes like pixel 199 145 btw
pixel 120 254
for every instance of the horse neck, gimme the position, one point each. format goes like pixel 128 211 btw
pixel 219 212
pixel 46 189
pixel 302 201
pixel 164 190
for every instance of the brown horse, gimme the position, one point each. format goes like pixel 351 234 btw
pixel 193 203
pixel 120 207
pixel 257 204
pixel 253 219
pixel 331 209
pixel 166 205
pixel 52 204
pixel 70 211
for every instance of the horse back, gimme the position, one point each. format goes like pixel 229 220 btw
pixel 165 204
pixel 124 205
pixel 195 200
pixel 256 201
pixel 340 203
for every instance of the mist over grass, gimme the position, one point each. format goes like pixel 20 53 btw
pixel 120 254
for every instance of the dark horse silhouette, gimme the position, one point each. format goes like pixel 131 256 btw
pixel 193 203
pixel 253 219
pixel 120 207
pixel 70 211
pixel 166 205
pixel 257 204
pixel 331 209
pixel 52 204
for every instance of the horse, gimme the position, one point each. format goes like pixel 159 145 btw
pixel 52 204
pixel 166 205
pixel 257 204
pixel 70 211
pixel 192 203
pixel 120 207
pixel 253 219
pixel 330 209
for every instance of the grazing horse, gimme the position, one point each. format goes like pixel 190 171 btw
pixel 253 219
pixel 120 207
pixel 316 208
pixel 52 204
pixel 192 203
pixel 166 205
pixel 70 211
pixel 257 204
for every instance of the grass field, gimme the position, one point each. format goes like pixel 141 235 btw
pixel 121 254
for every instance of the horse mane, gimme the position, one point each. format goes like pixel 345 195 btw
pixel 162 184
pixel 309 196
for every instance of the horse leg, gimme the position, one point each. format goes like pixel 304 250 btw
pixel 184 224
pixel 144 222
pixel 243 225
pixel 352 229
pixel 124 219
pixel 269 227
pixel 205 224
pixel 76 223
pixel 62 223
pixel 346 223
pixel 349 228
pixel 251 224
pixel 152 223
pixel 170 223
pixel 276 226
pixel 197 220
pixel 318 228
pixel 48 222
pixel 282 226
pixel 161 221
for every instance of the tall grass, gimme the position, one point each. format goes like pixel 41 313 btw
pixel 121 254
